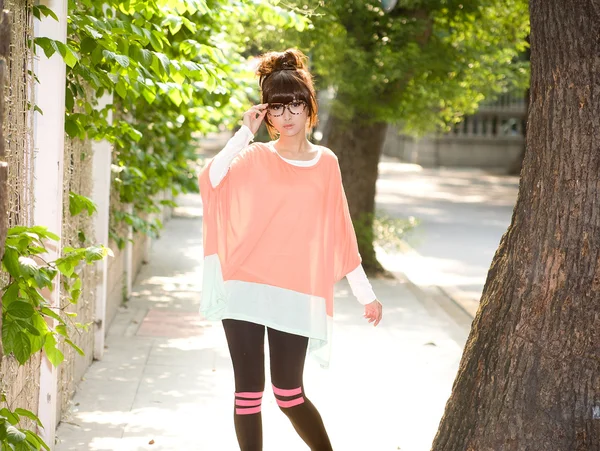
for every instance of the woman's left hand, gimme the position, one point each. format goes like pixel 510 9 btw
pixel 373 312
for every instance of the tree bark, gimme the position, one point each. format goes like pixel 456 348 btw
pixel 359 147
pixel 4 51
pixel 529 378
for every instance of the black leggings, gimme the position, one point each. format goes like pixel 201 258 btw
pixel 246 343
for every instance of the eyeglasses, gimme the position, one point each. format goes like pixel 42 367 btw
pixel 277 109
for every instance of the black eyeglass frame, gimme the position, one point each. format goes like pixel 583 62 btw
pixel 287 105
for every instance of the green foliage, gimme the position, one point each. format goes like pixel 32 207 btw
pixel 390 232
pixel 24 309
pixel 424 65
pixel 25 330
pixel 383 230
pixel 79 203
pixel 15 438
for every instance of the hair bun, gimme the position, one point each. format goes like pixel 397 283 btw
pixel 290 59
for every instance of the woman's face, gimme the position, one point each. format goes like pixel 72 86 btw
pixel 288 119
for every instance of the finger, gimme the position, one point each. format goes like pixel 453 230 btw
pixel 254 110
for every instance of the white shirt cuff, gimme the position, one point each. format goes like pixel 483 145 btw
pixel 360 285
pixel 222 161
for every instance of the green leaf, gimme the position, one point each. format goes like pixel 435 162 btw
pixel 145 57
pixel 69 56
pixel 39 10
pixel 10 416
pixel 62 329
pixel 43 278
pixel 52 314
pixel 65 267
pixel 11 262
pixel 48 46
pixel 44 233
pixel 13 435
pixel 27 266
pixel 149 95
pixel 75 294
pixel 88 45
pixel 164 61
pixel 28 414
pixel 36 441
pixel 10 329
pixel 10 294
pixel 79 203
pixel 95 253
pixel 156 42
pixel 175 96
pixel 20 309
pixel 22 347
pixel 136 135
pixel 72 127
pixel 74 346
pixel 3 426
pixel 54 355
pixel 28 327
pixel 37 341
pixel 122 60
pixel 121 89
pixel 70 100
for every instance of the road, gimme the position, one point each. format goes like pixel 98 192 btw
pixel 463 214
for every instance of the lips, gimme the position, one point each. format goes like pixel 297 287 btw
pixel 288 126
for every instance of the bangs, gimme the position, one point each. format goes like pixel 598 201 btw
pixel 283 87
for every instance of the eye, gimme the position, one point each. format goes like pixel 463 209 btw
pixel 296 104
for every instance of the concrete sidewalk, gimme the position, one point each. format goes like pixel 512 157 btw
pixel 463 214
pixel 166 381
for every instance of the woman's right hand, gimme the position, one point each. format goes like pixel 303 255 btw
pixel 254 116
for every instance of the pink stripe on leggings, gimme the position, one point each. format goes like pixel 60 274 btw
pixel 247 411
pixel 284 392
pixel 292 403
pixel 248 402
pixel 249 394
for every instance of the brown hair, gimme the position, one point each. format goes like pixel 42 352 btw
pixel 283 78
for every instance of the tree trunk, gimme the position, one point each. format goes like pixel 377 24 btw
pixel 529 378
pixel 4 50
pixel 358 147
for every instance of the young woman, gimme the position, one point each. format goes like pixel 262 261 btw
pixel 277 237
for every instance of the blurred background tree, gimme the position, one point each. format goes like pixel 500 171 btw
pixel 422 67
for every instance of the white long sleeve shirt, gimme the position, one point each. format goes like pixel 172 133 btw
pixel 359 283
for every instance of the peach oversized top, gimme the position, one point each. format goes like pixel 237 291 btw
pixel 276 239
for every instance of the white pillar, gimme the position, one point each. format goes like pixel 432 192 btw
pixel 49 143
pixel 101 196
pixel 129 257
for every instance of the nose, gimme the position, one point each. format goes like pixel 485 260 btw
pixel 287 114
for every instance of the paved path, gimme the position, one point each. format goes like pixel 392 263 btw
pixel 166 381
pixel 463 215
